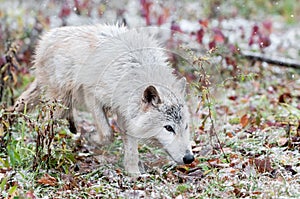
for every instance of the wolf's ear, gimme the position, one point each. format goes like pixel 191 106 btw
pixel 181 85
pixel 151 96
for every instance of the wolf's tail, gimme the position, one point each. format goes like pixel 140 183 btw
pixel 28 98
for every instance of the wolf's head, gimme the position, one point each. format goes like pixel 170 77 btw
pixel 164 116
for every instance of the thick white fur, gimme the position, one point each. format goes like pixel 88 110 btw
pixel 110 67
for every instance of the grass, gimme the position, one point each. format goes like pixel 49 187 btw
pixel 259 164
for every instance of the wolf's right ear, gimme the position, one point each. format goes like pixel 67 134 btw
pixel 151 97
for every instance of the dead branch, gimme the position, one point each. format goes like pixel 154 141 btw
pixel 280 61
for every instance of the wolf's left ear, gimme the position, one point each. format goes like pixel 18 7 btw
pixel 181 85
pixel 151 96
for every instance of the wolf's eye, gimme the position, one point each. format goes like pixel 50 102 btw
pixel 169 128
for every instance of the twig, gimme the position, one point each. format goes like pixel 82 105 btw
pixel 280 61
pixel 204 81
pixel 213 130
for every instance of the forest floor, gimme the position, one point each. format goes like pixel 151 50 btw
pixel 245 113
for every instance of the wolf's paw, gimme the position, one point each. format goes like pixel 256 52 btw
pixel 97 140
pixel 134 174
pixel 132 170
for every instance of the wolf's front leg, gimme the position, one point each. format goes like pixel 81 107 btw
pixel 131 155
pixel 103 135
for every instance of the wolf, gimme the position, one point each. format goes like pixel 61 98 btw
pixel 125 71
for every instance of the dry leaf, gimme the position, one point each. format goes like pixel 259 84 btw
pixel 47 180
pixel 197 149
pixel 256 192
pixel 30 195
pixel 262 165
pixel 285 98
pixel 233 97
pixel 244 100
pixel 182 168
pixel 216 163
pixel 244 120
pixel 229 134
pixel 282 141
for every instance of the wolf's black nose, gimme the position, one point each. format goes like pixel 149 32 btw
pixel 188 158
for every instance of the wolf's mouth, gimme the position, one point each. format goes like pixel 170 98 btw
pixel 176 161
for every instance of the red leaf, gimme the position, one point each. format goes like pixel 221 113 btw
pixel 219 38
pixel 255 30
pixel 203 22
pixel 232 97
pixel 200 34
pixel 218 35
pixel 267 25
pixel 251 41
pixel 146 4
pixel 65 11
pixel 175 27
pixel 230 61
pixel 264 41
pixel 233 49
pixel 162 18
pixel 212 45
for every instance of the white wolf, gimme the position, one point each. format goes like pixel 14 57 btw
pixel 115 68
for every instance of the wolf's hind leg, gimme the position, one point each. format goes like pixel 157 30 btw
pixel 67 112
pixel 29 98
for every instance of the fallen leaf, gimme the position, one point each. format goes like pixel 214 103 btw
pixel 203 22
pixel 182 168
pixel 282 141
pixel 216 163
pixel 197 149
pixel 285 98
pixel 244 120
pixel 234 156
pixel 30 195
pixel 223 110
pixel 262 165
pixel 240 192
pixel 290 169
pixel 47 180
pixel 232 97
pixel 212 44
pixel 256 192
pixel 200 35
pixel 218 35
pixel 170 175
pixel 244 100
pixel 229 134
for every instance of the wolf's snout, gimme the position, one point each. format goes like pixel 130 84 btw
pixel 188 158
